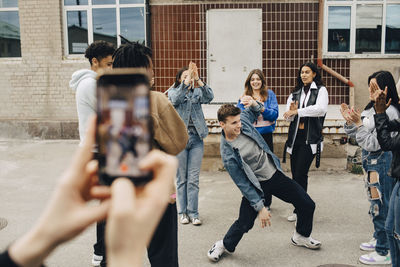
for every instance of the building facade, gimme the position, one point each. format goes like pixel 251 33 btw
pixel 42 44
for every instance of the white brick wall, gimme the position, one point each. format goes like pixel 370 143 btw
pixel 35 87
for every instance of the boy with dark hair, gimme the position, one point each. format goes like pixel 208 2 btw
pixel 98 51
pixel 170 136
pixel 83 81
pixel 256 171
pixel 133 55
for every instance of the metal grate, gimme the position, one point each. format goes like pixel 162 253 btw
pixel 290 38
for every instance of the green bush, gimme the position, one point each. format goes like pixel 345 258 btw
pixel 356 169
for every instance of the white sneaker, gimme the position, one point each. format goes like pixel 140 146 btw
pixel 96 260
pixel 196 221
pixel 302 241
pixel 216 251
pixel 292 217
pixel 368 246
pixel 184 219
pixel 374 258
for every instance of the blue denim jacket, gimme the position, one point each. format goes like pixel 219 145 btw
pixel 188 104
pixel 240 172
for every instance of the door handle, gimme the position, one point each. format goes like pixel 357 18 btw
pixel 212 60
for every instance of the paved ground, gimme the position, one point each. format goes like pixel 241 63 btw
pixel 29 170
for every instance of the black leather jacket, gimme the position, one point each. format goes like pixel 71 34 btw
pixel 312 124
pixel 388 143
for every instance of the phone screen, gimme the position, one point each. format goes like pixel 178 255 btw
pixel 124 134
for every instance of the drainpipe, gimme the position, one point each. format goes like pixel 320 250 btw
pixel 148 23
pixel 319 60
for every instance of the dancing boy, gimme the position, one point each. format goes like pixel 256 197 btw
pixel 256 170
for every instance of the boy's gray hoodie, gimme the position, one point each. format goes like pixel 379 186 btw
pixel 84 83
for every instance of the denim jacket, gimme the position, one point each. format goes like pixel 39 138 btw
pixel 240 172
pixel 188 104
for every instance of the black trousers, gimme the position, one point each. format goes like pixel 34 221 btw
pixel 163 248
pixel 269 140
pixel 99 247
pixel 283 188
pixel 301 159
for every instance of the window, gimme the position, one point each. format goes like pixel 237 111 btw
pixel 392 42
pixel 339 29
pixel 368 29
pixel 86 21
pixel 362 27
pixel 10 40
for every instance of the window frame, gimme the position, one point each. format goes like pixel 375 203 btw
pixel 353 7
pixel 88 8
pixel 5 9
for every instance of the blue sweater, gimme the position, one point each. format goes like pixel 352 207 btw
pixel 267 120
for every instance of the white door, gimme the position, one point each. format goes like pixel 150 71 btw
pixel 234 42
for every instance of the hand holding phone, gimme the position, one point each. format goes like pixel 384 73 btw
pixel 124 129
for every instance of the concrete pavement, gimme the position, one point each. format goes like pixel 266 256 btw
pixel 29 170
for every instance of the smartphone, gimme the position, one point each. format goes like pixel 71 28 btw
pixel 123 130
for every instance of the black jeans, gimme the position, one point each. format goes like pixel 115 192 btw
pixel 163 248
pixel 99 247
pixel 300 160
pixel 269 140
pixel 283 188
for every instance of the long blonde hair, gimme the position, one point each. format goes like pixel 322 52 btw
pixel 248 90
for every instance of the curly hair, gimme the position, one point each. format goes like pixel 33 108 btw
pixel 132 55
pixel 99 50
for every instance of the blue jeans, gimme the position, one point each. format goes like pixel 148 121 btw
pixel 188 175
pixel 392 225
pixel 379 162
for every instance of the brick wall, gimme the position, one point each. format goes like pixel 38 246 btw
pixel 290 31
pixel 35 86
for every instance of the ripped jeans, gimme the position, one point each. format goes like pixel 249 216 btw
pixel 392 226
pixel 379 187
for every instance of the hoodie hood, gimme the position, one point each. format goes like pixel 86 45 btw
pixel 79 76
